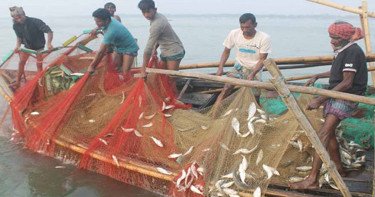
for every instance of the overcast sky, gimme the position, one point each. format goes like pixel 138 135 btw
pixel 40 8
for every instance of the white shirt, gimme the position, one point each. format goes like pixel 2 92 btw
pixel 247 51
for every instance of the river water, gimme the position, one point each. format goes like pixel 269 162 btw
pixel 24 173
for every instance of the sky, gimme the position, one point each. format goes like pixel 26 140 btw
pixel 44 8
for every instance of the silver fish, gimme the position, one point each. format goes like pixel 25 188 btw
pixel 164 171
pixel 257 192
pixel 167 115
pixel 260 157
pixel 137 133
pixel 228 112
pixel 183 175
pixel 245 151
pixel 250 126
pixel 304 168
pixel 34 113
pixel 227 176
pixel 188 151
pixel 225 147
pixel 157 142
pixel 123 97
pixel 150 116
pixel 103 141
pixel 236 126
pixel 169 107
pixel 204 127
pixel 195 190
pixel 252 110
pixel 116 161
pixel 229 191
pixel 270 171
pixel 127 130
pixel 295 179
pixel 226 185
pixel 147 125
pixel 141 116
pixel 163 107
pixel 174 155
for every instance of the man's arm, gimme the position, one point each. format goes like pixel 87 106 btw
pixel 316 77
pixel 117 18
pixel 223 60
pixel 155 31
pixel 346 84
pixel 98 57
pixel 18 45
pixel 49 41
pixel 258 66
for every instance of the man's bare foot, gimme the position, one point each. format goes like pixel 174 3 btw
pixel 305 184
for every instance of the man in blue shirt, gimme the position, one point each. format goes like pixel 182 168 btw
pixel 116 35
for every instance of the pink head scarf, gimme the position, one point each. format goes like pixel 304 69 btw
pixel 345 31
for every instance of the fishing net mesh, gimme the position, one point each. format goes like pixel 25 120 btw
pixel 136 131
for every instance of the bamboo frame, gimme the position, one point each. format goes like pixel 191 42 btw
pixel 267 85
pixel 279 61
pixel 366 30
pixel 340 7
pixel 293 106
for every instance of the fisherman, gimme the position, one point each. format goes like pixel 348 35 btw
pixel 111 7
pixel 116 35
pixel 348 74
pixel 161 33
pixel 252 48
pixel 30 32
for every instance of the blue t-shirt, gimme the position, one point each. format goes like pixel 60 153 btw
pixel 117 35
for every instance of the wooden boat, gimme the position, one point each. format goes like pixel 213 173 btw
pixel 202 93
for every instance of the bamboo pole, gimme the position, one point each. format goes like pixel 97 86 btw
pixel 319 60
pixel 293 106
pixel 340 7
pixel 267 85
pixel 366 30
pixel 182 92
pixel 373 165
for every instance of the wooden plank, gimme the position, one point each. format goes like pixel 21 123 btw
pixel 293 106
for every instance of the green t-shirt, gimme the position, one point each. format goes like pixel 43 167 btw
pixel 117 35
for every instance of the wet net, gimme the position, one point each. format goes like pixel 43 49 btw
pixel 136 131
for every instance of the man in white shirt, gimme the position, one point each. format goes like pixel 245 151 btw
pixel 252 47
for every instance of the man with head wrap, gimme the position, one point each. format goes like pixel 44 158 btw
pixel 348 74
pixel 30 33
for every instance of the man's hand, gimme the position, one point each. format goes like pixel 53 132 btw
pixel 90 70
pixel 311 81
pixel 17 48
pixel 314 104
pixel 219 72
pixel 143 73
pixel 50 47
pixel 251 76
pixel 94 32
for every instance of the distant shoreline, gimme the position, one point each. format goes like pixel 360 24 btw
pixel 212 15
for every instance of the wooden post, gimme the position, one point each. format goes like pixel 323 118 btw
pixel 288 98
pixel 366 31
pixel 373 165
